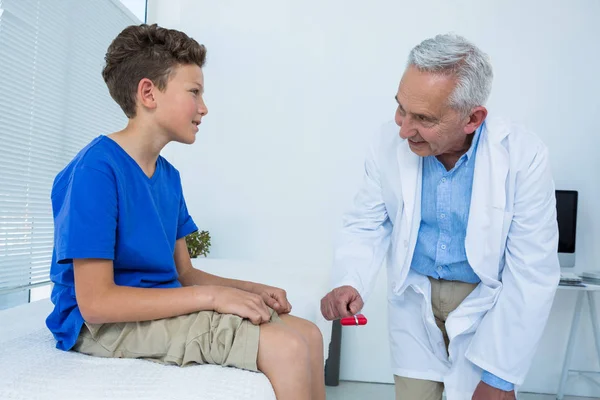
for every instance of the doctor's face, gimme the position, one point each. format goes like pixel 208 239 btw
pixel 424 116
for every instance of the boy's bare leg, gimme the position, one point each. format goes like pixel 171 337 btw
pixel 313 337
pixel 283 357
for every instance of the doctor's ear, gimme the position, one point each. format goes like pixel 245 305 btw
pixel 475 119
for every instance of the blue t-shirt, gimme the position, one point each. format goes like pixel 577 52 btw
pixel 106 207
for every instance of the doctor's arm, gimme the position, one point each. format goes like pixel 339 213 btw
pixel 507 338
pixel 361 246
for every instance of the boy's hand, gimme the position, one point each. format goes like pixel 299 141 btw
pixel 274 297
pixel 228 300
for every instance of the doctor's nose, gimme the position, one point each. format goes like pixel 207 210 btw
pixel 399 119
pixel 406 129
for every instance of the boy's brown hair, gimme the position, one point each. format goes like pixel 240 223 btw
pixel 146 51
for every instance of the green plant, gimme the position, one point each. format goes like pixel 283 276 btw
pixel 198 243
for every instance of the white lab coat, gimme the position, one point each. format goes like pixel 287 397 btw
pixel 511 244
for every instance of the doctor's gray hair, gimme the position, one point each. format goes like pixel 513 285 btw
pixel 452 54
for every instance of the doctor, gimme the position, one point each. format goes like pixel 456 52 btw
pixel 463 207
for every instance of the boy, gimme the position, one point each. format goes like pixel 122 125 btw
pixel 124 285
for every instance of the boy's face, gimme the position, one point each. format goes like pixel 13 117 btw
pixel 180 107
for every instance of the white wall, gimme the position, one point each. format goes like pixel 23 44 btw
pixel 295 89
pixel 136 7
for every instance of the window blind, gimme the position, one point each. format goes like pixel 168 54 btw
pixel 53 101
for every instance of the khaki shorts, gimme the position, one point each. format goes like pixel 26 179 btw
pixel 205 337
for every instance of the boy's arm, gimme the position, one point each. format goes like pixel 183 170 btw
pixel 100 300
pixel 189 276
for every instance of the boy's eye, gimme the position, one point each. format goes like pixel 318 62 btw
pixel 195 91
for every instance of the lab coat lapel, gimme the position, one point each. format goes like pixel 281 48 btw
pixel 488 201
pixel 411 167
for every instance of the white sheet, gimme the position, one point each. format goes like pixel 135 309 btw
pixel 31 368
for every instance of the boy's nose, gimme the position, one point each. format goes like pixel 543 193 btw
pixel 202 109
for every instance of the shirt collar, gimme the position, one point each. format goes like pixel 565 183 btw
pixel 474 143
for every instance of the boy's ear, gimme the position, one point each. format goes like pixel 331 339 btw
pixel 145 93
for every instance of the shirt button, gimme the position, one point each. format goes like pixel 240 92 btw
pixel 443 247
pixel 440 268
pixel 442 215
pixel 443 180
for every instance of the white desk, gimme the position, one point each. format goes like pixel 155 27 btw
pixel 588 292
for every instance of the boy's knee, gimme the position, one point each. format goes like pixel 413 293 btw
pixel 293 347
pixel 314 335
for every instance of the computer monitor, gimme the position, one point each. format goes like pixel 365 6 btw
pixel 566 214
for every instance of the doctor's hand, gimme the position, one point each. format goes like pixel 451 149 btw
pixel 487 392
pixel 341 302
